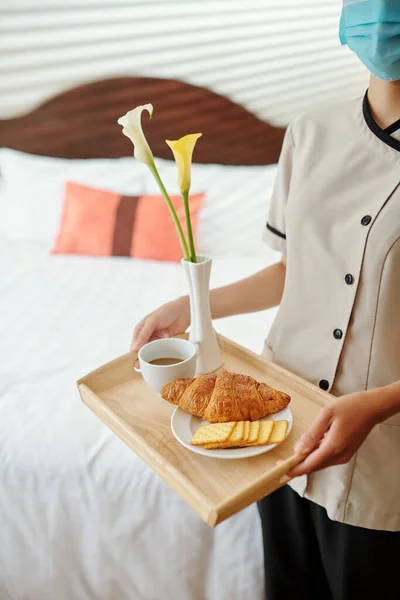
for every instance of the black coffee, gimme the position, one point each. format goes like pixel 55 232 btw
pixel 165 361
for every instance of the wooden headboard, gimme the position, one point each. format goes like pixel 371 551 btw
pixel 82 123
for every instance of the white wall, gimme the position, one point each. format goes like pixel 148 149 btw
pixel 277 57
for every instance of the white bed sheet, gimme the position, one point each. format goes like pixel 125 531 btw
pixel 82 518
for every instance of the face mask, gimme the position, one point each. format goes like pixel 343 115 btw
pixel 371 28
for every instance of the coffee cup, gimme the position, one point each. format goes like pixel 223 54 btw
pixel 163 361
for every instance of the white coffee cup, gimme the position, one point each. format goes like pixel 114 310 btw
pixel 156 376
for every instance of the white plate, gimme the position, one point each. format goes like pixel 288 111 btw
pixel 184 426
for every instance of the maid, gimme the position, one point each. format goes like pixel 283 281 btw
pixel 333 533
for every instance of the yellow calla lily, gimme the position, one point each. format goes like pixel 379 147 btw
pixel 132 128
pixel 183 151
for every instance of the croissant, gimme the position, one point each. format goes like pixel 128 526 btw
pixel 224 396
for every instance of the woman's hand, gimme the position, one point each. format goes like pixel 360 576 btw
pixel 167 321
pixel 338 432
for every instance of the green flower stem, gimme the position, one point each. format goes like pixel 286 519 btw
pixel 178 226
pixel 185 196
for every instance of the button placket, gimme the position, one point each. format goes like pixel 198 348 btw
pixel 349 279
pixel 359 229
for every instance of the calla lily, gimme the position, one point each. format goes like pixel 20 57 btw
pixel 183 151
pixel 132 128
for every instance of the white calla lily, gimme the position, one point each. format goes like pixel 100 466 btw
pixel 132 128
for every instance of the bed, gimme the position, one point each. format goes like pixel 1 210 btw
pixel 82 518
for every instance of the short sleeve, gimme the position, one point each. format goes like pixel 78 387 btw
pixel 275 228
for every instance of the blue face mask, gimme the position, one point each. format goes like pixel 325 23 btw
pixel 371 28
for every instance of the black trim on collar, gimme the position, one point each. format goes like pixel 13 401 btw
pixel 374 127
pixel 393 127
pixel 275 231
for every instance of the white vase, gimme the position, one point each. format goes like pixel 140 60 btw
pixel 201 328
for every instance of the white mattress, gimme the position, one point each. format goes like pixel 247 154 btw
pixel 81 516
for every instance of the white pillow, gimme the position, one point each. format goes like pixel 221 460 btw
pixel 32 190
pixel 234 214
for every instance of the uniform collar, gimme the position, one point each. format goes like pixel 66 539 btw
pixel 373 137
pixel 382 134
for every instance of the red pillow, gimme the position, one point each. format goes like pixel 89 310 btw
pixel 100 223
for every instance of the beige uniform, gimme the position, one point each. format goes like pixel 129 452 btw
pixel 335 212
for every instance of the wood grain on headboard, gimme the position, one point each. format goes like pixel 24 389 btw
pixel 82 123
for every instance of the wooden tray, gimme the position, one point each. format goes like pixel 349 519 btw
pixel 216 489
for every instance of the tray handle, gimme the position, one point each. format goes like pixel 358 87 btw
pixel 283 468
